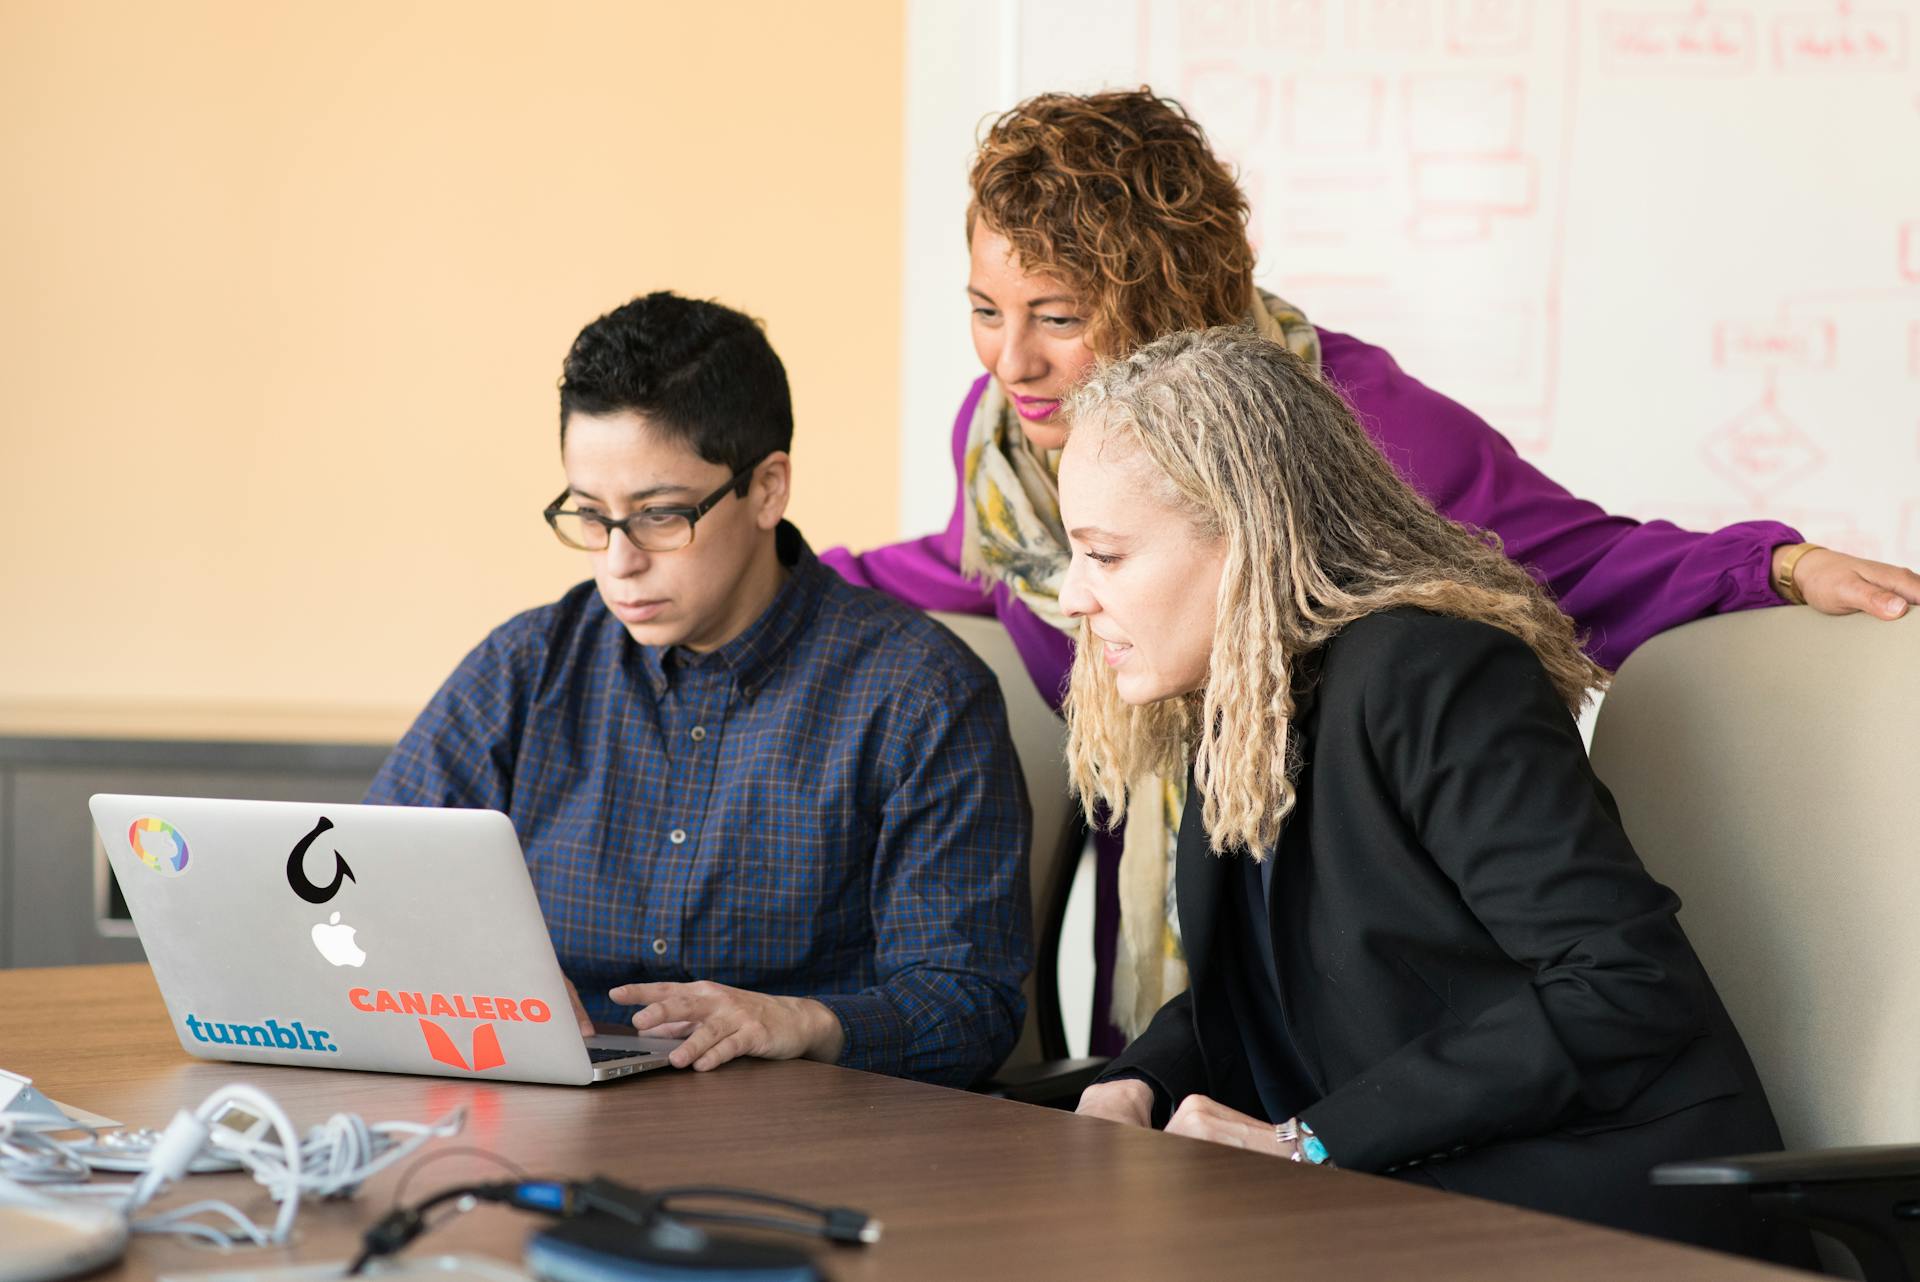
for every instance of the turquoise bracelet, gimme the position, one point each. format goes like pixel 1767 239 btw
pixel 1306 1145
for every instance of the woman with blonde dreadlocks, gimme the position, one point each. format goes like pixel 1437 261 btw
pixel 1420 942
pixel 1099 223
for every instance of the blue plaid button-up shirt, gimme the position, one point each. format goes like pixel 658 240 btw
pixel 827 806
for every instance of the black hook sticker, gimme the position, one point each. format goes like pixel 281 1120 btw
pixel 297 872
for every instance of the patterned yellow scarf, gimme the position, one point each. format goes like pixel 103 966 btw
pixel 1014 535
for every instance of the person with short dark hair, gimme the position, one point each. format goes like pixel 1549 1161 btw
pixel 775 813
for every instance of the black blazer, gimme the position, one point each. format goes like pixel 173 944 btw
pixel 1469 952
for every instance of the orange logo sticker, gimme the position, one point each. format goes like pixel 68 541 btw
pixel 483 1050
pixel 486 1047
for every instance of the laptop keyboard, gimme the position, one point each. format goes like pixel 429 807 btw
pixel 601 1054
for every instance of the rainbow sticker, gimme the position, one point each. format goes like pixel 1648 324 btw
pixel 159 845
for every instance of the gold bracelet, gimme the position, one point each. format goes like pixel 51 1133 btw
pixel 1783 583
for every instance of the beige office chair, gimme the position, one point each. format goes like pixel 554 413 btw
pixel 1038 1070
pixel 1767 767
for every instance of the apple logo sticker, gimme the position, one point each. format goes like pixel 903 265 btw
pixel 335 942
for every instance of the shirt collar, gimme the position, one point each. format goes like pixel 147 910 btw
pixel 753 655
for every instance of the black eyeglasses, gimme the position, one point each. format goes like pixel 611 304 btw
pixel 663 528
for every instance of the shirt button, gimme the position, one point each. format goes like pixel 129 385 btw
pixel 677 836
pixel 659 948
pixel 698 733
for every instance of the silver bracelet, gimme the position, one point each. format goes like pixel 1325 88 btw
pixel 1306 1145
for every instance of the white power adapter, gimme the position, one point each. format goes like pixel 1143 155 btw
pixel 47 1240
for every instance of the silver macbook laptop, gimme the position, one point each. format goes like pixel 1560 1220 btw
pixel 395 938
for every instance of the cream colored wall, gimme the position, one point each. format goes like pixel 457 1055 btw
pixel 285 289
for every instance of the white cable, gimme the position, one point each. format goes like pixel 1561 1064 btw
pixel 238 1123
pixel 171 1155
pixel 29 1156
pixel 338 1155
pixel 342 1153
pixel 185 1137
pixel 182 1221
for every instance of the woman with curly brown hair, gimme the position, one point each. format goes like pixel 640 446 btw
pixel 1101 222
pixel 1421 942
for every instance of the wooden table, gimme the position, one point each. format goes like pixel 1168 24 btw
pixel 967 1187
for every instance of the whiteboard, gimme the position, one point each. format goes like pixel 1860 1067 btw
pixel 1670 250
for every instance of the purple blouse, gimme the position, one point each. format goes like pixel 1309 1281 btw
pixel 1622 580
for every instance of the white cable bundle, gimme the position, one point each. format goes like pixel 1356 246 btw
pixel 28 1155
pixel 235 1123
